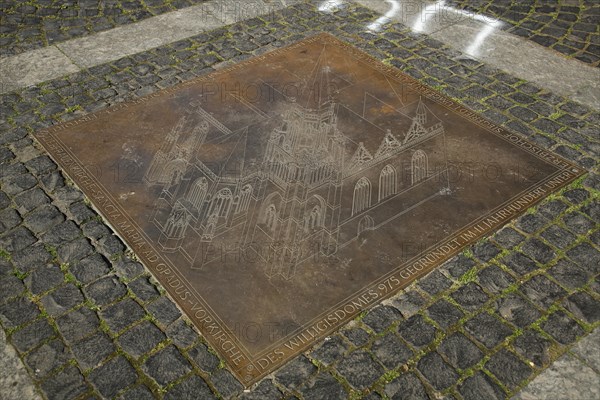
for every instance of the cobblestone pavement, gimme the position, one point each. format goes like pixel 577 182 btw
pixel 88 321
pixel 569 27
pixel 28 25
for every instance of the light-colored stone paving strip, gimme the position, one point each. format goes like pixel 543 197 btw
pixel 570 377
pixel 52 62
pixel 481 37
pixel 15 382
pixel 33 67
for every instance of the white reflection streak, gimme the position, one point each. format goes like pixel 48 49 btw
pixel 426 13
pixel 490 27
pixel 330 5
pixel 387 17
pixel 473 49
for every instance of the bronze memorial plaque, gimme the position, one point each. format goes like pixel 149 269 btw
pixel 277 199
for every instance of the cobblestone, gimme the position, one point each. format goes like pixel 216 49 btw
pixel 166 366
pixel 31 181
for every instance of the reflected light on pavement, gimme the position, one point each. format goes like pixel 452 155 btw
pixel 331 5
pixel 379 22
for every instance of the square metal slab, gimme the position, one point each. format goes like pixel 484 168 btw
pixel 277 199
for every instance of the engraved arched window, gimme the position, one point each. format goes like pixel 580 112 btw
pixel 387 182
pixel 365 224
pixel 244 203
pixel 198 192
pixel 221 203
pixel 419 166
pixel 271 217
pixel 314 219
pixel 362 195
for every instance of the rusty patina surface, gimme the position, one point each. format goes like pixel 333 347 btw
pixel 277 199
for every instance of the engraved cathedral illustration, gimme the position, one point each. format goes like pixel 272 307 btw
pixel 302 189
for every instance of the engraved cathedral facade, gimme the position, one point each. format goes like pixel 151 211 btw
pixel 305 189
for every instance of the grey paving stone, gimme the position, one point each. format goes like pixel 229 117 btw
pixel 562 328
pixel 444 313
pixel 360 370
pixel 10 286
pixel 113 376
pixel 356 336
pixel 519 263
pixel 494 279
pixel 182 334
pixel 417 331
pixel 459 265
pixel 558 237
pixel 470 296
pixel 129 269
pixel 31 199
pixel 9 218
pixel 508 238
pixel 437 371
pixel 90 268
pixel 81 212
pixel 295 372
pixel 390 351
pixel 61 233
pixel 514 308
pixel 586 256
pixel 77 324
pixel 142 392
pixel 487 329
pixel 567 379
pixel 225 383
pixel 32 335
pixel 48 358
pixel 531 223
pixel 164 310
pixel 17 312
pixel 542 291
pixel 409 303
pixel 508 368
pixel 166 366
pixel 480 386
pixel 435 283
pixel 330 351
pixel 142 338
pixel 569 274
pixel 62 300
pixel 74 251
pixel 44 278
pixel 43 218
pixel 67 384
pixel 16 239
pixel 122 314
pixel 105 290
pixel 538 251
pixel 203 358
pixel 460 351
pixel 266 390
pixel 406 387
pixel 485 251
pixel 587 349
pixel 583 306
pixel 578 223
pixel 324 387
pixel 191 388
pixel 31 257
pixel 95 230
pixel 92 350
pixel 381 317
